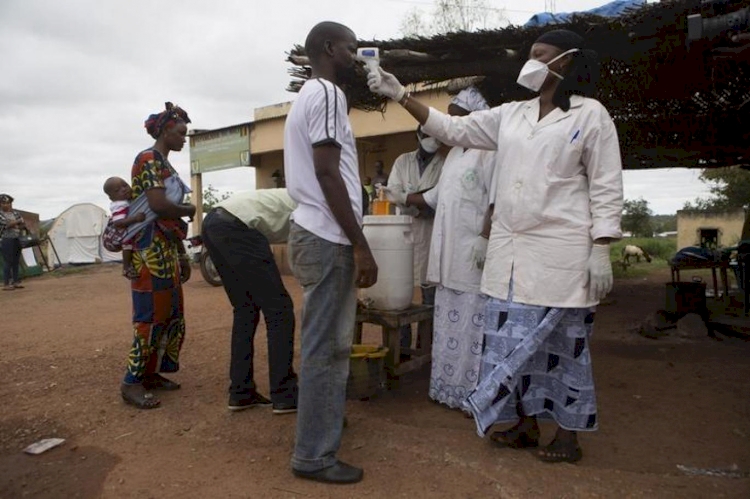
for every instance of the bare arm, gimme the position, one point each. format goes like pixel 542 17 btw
pixel 158 202
pixel 326 159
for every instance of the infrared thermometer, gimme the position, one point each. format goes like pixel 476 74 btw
pixel 371 57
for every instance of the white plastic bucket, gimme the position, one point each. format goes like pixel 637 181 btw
pixel 392 245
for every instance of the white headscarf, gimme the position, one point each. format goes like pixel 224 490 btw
pixel 470 99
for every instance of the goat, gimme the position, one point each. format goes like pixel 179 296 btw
pixel 631 251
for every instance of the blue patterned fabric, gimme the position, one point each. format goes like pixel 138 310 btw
pixel 540 355
pixel 456 345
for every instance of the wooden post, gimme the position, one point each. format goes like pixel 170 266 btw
pixel 196 183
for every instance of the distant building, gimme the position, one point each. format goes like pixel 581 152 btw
pixel 719 229
pixel 260 143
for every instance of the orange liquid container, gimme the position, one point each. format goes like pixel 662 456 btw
pixel 380 207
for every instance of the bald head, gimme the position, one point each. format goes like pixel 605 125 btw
pixel 322 33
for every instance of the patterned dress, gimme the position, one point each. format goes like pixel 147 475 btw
pixel 541 356
pixel 158 319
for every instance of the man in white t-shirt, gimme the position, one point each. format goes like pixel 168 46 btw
pixel 328 253
pixel 238 234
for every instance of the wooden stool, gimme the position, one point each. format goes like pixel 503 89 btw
pixel 391 322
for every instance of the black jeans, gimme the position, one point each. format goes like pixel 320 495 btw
pixel 11 248
pixel 253 283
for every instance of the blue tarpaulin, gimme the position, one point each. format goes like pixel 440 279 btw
pixel 611 9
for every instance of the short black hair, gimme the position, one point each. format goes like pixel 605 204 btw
pixel 321 33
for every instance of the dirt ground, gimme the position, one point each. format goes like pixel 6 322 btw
pixel 63 342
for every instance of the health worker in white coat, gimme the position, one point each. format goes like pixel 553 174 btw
pixel 417 171
pixel 461 201
pixel 557 207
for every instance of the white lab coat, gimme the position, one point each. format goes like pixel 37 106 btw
pixel 460 201
pixel 405 177
pixel 559 187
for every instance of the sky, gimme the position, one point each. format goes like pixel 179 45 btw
pixel 79 78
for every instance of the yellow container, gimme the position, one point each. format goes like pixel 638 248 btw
pixel 366 371
pixel 380 207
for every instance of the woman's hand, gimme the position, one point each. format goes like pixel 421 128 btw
pixel 185 269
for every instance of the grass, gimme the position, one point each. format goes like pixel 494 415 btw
pixel 661 251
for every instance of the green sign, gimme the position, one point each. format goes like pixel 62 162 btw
pixel 222 149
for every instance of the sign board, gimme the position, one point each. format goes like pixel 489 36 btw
pixel 222 149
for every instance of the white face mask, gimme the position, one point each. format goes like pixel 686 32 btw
pixel 534 73
pixel 429 144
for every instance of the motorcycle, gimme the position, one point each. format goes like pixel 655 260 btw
pixel 208 269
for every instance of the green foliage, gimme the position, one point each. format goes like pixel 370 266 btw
pixel 660 248
pixel 636 218
pixel 664 223
pixel 211 196
pixel 729 187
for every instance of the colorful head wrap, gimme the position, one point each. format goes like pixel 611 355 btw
pixel 6 198
pixel 156 123
pixel 470 99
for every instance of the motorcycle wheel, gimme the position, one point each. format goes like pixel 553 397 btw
pixel 208 270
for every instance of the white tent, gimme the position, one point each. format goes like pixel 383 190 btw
pixel 77 236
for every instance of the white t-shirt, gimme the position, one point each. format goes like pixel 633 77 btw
pixel 319 117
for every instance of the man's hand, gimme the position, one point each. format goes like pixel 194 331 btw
pixel 365 268
pixel 396 196
pixel 385 84
pixel 479 252
pixel 600 272
pixel 185 269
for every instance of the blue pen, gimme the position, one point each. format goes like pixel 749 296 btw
pixel 575 136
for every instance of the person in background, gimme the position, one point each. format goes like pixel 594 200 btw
pixel 381 177
pixel 417 171
pixel 559 192
pixel 238 233
pixel 328 252
pixel 11 225
pixel 462 204
pixel 370 190
pixel 160 261
pixel 119 192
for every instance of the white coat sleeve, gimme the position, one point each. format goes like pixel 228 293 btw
pixel 478 130
pixel 489 174
pixel 601 156
pixel 398 178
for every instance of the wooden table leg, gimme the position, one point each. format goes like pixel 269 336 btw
pixel 716 286
pixel 424 336
pixel 357 334
pixel 392 339
pixel 725 279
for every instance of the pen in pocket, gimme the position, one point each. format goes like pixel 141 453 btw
pixel 575 136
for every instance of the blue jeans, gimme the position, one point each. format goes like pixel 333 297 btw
pixel 326 272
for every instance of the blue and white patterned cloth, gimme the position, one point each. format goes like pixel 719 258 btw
pixel 458 328
pixel 540 354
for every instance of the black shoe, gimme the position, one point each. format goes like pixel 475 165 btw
pixel 338 473
pixel 241 402
pixel 285 408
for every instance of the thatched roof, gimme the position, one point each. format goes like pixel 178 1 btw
pixel 674 106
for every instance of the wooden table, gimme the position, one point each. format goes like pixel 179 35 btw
pixel 391 322
pixel 721 265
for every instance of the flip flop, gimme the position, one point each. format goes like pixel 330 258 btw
pixel 515 439
pixel 558 452
pixel 141 400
